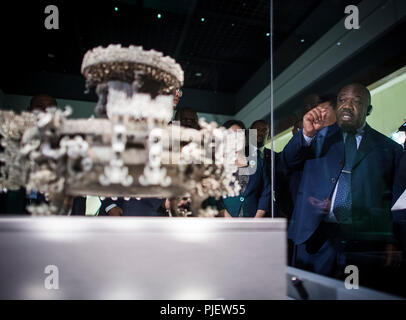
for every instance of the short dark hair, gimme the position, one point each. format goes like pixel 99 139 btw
pixel 258 121
pixel 330 98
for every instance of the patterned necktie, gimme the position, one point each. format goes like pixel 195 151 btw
pixel 343 200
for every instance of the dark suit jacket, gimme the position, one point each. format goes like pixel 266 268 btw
pixel 399 216
pixel 146 207
pixel 257 195
pixel 79 206
pixel 372 182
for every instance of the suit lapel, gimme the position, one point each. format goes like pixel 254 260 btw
pixel 332 138
pixel 366 146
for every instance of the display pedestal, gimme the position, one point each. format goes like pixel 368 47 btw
pixel 142 258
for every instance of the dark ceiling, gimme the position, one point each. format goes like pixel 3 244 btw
pixel 218 54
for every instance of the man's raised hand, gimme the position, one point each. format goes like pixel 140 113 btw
pixel 315 120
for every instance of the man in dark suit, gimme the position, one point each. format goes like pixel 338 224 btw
pixel 344 198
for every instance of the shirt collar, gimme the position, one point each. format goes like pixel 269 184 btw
pixel 360 131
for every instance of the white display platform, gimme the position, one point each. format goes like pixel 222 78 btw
pixel 142 258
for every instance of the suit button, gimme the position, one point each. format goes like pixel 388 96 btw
pixel 241 199
pixel 333 180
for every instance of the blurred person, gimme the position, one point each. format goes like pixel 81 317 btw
pixel 255 194
pixel 143 207
pixel 328 104
pixel 311 101
pixel 399 216
pixel 297 127
pixel 16 201
pixel 343 202
pixel 262 134
pixel 187 118
pixel 42 101
pixel 176 97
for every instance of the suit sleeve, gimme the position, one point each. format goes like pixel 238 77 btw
pixel 297 151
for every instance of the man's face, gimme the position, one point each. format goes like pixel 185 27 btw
pixel 352 106
pixel 188 119
pixel 176 98
pixel 262 132
pixel 42 102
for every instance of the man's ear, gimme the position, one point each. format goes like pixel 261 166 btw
pixel 369 110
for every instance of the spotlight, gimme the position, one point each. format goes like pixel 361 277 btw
pixel 202 19
pixel 159 16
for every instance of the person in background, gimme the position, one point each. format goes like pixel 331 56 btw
pixel 176 97
pixel 310 102
pixel 41 102
pixel 16 201
pixel 262 134
pixel 187 118
pixel 255 194
pixel 297 127
pixel 342 208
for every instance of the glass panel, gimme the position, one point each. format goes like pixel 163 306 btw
pixel 223 48
pixel 339 80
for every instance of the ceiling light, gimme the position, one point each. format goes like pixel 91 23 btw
pixel 268 34
pixel 339 44
pixel 302 40
pixel 51 55
pixel 198 74
pixel 115 9
pixel 202 19
pixel 159 16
